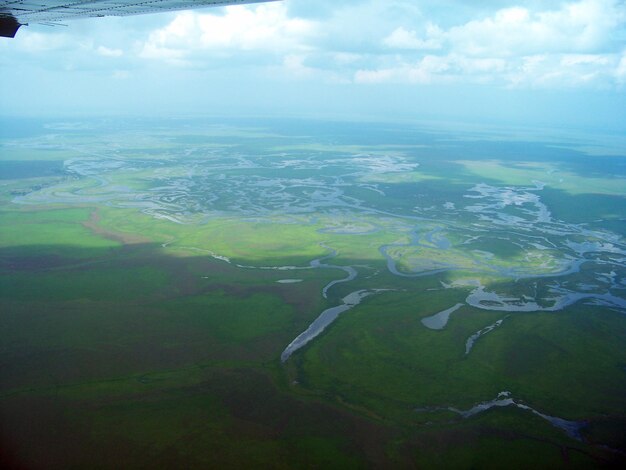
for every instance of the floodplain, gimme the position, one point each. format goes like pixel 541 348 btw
pixel 292 293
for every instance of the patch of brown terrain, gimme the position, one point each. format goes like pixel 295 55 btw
pixel 22 259
pixel 124 238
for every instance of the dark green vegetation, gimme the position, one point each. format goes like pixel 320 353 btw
pixel 129 339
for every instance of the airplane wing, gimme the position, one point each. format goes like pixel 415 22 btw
pixel 16 13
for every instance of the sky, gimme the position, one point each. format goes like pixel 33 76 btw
pixel 553 63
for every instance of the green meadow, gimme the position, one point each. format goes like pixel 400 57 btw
pixel 151 278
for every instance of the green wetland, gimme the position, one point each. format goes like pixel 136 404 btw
pixel 205 293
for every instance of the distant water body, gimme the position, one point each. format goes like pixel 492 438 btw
pixel 439 320
pixel 326 318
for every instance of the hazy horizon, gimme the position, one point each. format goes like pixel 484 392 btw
pixel 517 62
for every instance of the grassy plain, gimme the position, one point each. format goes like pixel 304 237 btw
pixel 130 340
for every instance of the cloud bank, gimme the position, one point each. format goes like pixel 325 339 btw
pixel 517 44
pixel 370 48
pixel 570 44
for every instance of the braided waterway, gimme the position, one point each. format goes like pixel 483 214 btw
pixel 571 262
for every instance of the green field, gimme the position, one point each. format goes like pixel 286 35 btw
pixel 152 275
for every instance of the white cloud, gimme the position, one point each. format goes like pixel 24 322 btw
pixel 570 43
pixel 424 71
pixel 264 28
pixel 34 42
pixel 535 71
pixel 573 60
pixel 107 52
pixel 572 46
pixel 573 43
pixel 565 71
pixel 436 69
pixel 401 38
pixel 294 65
pixel 584 26
pixel 167 54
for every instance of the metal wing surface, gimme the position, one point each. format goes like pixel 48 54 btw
pixel 16 13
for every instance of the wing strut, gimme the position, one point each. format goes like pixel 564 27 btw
pixel 8 26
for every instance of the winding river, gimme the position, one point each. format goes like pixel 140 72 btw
pixel 326 318
pixel 571 428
